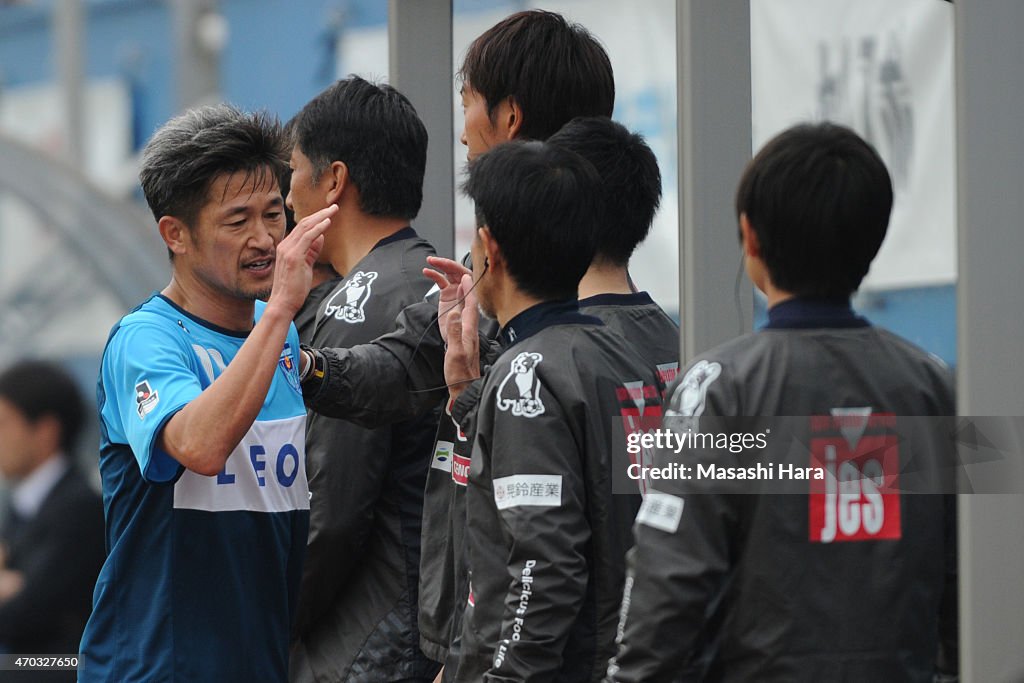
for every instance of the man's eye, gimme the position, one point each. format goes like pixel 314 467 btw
pixel 274 215
pixel 236 224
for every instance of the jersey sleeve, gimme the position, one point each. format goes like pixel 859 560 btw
pixel 540 498
pixel 146 379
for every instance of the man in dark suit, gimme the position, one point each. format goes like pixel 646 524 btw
pixel 52 536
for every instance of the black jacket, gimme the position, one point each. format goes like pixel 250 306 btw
pixel 357 605
pixel 806 586
pixel 546 536
pixel 444 577
pixel 59 552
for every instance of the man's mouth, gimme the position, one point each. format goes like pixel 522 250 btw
pixel 260 266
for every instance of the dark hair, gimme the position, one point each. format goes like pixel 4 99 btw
pixel 285 179
pixel 377 133
pixel 189 152
pixel 555 71
pixel 540 203
pixel 38 389
pixel 630 181
pixel 818 198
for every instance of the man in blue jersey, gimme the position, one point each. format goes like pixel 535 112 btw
pixel 202 420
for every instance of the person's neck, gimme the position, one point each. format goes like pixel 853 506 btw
pixel 774 295
pixel 604 277
pixel 510 302
pixel 359 234
pixel 202 301
pixel 322 272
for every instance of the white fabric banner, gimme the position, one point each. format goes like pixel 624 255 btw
pixel 885 69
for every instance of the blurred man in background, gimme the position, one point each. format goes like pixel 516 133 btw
pixel 53 533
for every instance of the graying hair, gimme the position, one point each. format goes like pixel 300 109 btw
pixel 189 152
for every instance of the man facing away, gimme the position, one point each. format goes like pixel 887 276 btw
pixel 546 537
pixel 852 580
pixel 202 422
pixel 363 147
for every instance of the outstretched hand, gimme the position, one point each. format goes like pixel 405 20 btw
pixel 462 357
pixel 447 277
pixel 296 254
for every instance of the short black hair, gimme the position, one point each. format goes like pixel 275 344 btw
pixel 818 197
pixel 285 180
pixel 555 70
pixel 630 181
pixel 540 203
pixel 188 153
pixel 376 132
pixel 39 389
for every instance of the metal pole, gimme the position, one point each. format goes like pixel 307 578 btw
pixel 420 65
pixel 990 377
pixel 69 56
pixel 713 77
pixel 199 35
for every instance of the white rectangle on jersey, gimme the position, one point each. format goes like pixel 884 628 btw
pixel 661 511
pixel 443 456
pixel 543 490
pixel 265 473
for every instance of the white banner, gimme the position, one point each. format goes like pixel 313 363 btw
pixel 885 69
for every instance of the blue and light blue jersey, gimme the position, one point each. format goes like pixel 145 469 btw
pixel 202 572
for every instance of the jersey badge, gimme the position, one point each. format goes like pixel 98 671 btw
pixel 146 398
pixel 691 394
pixel 519 392
pixel 287 363
pixel 347 303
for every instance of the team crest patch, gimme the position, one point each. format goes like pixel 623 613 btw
pixel 690 396
pixel 519 392
pixel 146 398
pixel 347 303
pixel 291 372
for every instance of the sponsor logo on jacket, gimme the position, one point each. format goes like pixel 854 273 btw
pixel 690 395
pixel 347 303
pixel 519 392
pixel 858 499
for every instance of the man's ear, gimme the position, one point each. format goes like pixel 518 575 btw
pixel 339 180
pixel 175 233
pixel 751 245
pixel 492 252
pixel 513 118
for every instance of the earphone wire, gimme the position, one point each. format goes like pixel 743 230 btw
pixel 437 319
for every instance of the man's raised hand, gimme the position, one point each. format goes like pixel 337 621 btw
pixel 447 277
pixel 296 254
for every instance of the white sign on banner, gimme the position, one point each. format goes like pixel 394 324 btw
pixel 885 69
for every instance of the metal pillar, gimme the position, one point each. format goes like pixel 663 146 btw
pixel 990 377
pixel 199 35
pixel 420 65
pixel 69 56
pixel 713 76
